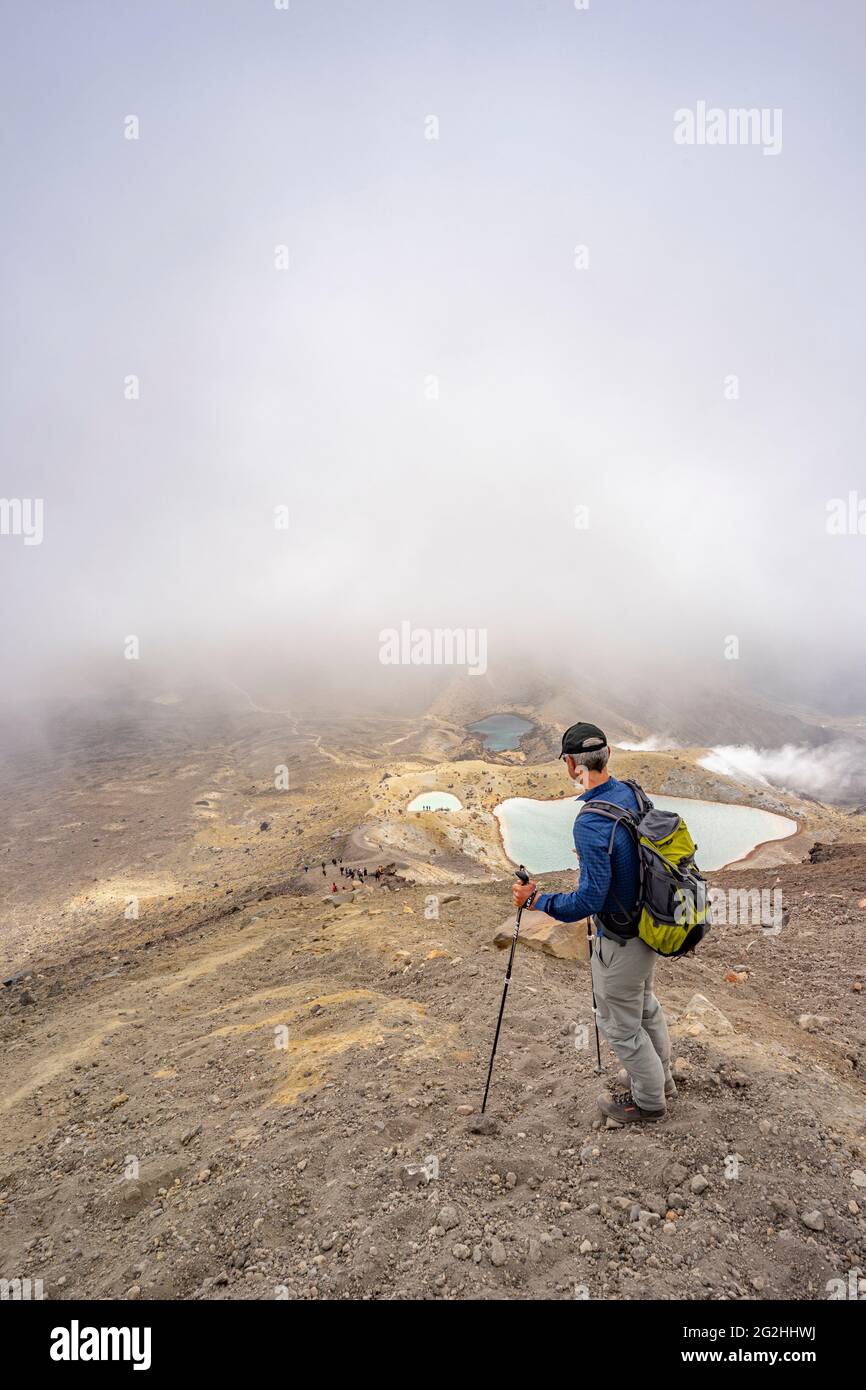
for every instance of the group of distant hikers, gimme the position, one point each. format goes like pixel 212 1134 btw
pixel 358 874
pixel 641 890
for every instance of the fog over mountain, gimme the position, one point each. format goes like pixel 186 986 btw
pixel 465 429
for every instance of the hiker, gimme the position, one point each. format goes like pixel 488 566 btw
pixel 333 887
pixel 629 1015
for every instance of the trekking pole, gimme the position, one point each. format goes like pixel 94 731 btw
pixel 594 1005
pixel 524 878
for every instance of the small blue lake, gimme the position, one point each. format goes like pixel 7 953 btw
pixel 501 731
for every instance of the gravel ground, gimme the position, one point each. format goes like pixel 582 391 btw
pixel 282 1102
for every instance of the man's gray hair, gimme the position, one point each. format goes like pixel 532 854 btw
pixel 593 762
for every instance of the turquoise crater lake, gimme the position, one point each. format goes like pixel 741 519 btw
pixel 501 731
pixel 539 833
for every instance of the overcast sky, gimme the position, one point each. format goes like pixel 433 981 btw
pixel 433 385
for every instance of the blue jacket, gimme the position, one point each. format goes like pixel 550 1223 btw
pixel 608 882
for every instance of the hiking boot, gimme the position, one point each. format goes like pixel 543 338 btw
pixel 622 1107
pixel 671 1091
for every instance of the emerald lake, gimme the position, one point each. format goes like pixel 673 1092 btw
pixel 539 833
pixel 501 731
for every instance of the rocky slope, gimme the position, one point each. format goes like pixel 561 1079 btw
pixel 271 1104
pixel 242 1090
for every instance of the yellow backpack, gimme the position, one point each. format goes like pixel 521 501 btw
pixel 672 913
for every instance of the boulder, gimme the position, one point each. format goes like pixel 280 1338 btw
pixel 810 1023
pixel 700 1018
pixel 539 932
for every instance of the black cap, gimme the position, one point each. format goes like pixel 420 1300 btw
pixel 583 738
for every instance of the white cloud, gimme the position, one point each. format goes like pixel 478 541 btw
pixel 832 771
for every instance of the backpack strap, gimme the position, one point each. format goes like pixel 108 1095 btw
pixel 643 802
pixel 620 816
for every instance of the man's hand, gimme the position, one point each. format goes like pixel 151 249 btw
pixel 521 892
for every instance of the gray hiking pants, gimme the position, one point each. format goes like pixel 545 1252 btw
pixel 630 1017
